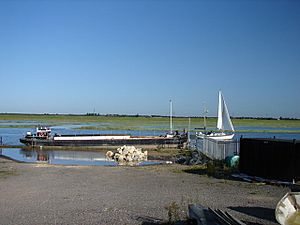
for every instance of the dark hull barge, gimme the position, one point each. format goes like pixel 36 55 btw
pixel 43 138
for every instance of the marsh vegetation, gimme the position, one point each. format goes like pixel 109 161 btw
pixel 146 123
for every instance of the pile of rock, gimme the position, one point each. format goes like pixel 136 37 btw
pixel 127 154
pixel 195 158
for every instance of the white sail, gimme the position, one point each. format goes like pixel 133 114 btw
pixel 224 121
pixel 224 124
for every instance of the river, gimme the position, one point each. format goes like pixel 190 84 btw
pixel 11 136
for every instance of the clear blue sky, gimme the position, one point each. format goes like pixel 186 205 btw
pixel 131 57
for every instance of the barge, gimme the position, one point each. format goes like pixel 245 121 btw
pixel 43 137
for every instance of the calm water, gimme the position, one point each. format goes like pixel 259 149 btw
pixel 11 136
pixel 61 157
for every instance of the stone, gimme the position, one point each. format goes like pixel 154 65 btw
pixel 128 154
pixel 109 154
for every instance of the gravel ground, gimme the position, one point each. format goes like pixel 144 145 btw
pixel 49 194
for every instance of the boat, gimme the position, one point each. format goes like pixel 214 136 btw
pixel 44 137
pixel 287 211
pixel 224 123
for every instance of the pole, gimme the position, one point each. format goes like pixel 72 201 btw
pixel 189 129
pixel 204 116
pixel 171 114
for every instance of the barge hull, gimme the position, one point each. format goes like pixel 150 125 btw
pixel 117 142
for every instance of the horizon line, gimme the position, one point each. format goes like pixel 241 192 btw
pixel 147 115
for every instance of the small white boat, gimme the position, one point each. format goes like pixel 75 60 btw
pixel 224 123
pixel 288 209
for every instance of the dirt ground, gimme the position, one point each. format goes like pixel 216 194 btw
pixel 50 194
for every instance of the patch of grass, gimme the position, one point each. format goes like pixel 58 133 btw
pixel 17 126
pixel 5 169
pixel 6 173
pixel 215 169
pixel 267 123
pixel 195 169
pixel 173 212
pixel 270 131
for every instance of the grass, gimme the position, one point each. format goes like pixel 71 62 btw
pixel 215 169
pixel 286 131
pixel 5 170
pixel 142 122
pixel 173 212
pixel 6 173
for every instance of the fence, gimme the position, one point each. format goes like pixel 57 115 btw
pixel 270 158
pixel 218 149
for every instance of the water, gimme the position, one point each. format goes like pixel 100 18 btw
pixel 11 136
pixel 61 157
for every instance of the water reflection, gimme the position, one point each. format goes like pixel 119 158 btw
pixel 63 157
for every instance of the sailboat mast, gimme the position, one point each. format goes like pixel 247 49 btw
pixel 171 115
pixel 204 117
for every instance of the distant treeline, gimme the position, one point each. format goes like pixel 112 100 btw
pixel 148 116
pixel 154 115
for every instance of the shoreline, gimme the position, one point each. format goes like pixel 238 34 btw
pixel 48 194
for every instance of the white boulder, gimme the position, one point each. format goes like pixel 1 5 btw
pixel 128 154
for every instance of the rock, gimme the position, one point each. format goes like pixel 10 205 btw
pixel 128 154
pixel 109 154
pixel 120 151
pixel 194 159
pixel 180 160
pixel 187 160
pixel 135 158
pixel 129 158
pixel 125 152
pixel 117 156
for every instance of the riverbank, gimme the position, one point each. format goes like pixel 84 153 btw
pixel 51 194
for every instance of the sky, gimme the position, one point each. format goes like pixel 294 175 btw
pixel 134 56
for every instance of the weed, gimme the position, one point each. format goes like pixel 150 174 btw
pixel 173 212
pixel 211 169
pixel 6 173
